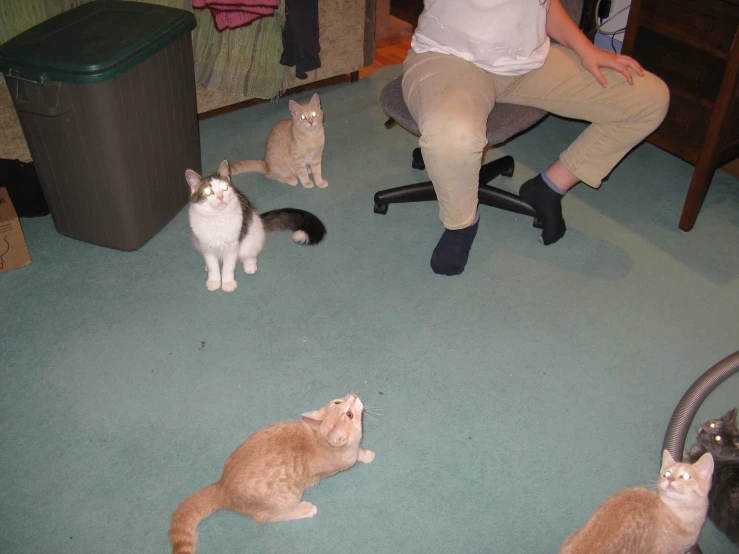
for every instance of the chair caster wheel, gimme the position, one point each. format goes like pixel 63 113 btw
pixel 509 169
pixel 380 208
pixel 418 162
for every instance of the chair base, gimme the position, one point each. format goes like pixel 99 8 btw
pixel 487 195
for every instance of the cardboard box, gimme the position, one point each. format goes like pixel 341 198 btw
pixel 13 250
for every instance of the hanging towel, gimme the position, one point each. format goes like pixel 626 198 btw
pixel 230 14
pixel 300 37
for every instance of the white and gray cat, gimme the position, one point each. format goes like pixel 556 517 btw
pixel 266 476
pixel 226 229
pixel 642 521
pixel 294 148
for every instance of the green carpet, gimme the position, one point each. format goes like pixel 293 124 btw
pixel 511 400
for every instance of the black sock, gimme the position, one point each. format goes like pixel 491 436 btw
pixel 548 206
pixel 452 250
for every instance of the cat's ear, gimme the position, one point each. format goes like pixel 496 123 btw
pixel 667 460
pixel 313 419
pixel 194 180
pixel 731 415
pixel 295 108
pixel 224 170
pixel 337 436
pixel 315 101
pixel 704 465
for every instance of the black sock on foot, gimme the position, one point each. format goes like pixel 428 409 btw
pixel 453 249
pixel 548 206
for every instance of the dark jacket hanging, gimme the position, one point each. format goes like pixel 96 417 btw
pixel 300 37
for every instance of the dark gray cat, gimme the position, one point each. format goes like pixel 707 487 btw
pixel 720 437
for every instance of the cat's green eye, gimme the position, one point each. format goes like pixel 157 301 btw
pixel 302 116
pixel 667 473
pixel 207 191
pixel 313 114
pixel 350 415
pixel 224 186
pixel 686 476
pixel 712 424
pixel 718 439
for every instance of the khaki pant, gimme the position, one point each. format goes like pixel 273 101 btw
pixel 451 98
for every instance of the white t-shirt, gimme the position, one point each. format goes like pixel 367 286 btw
pixel 507 37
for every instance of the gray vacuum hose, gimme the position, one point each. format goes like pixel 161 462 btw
pixel 682 417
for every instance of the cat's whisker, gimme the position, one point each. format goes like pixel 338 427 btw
pixel 372 412
pixel 651 485
pixel 374 409
pixel 375 422
pixel 372 419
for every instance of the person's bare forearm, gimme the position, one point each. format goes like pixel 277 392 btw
pixel 561 28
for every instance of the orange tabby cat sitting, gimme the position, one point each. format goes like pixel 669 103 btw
pixel 294 147
pixel 641 521
pixel 265 477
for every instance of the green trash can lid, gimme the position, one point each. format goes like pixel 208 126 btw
pixel 93 42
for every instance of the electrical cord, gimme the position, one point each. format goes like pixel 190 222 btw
pixel 599 26
pixel 613 37
pixel 603 22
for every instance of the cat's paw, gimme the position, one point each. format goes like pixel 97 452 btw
pixel 213 285
pixel 308 184
pixel 229 286
pixel 300 511
pixel 292 181
pixel 307 509
pixel 365 456
pixel 250 267
pixel 322 184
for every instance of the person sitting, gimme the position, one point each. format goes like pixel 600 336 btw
pixel 467 55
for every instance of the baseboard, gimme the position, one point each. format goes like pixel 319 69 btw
pixel 339 79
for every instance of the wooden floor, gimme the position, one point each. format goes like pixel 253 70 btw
pixel 390 51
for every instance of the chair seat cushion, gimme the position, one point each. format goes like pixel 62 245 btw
pixel 505 121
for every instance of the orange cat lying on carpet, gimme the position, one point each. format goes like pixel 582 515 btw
pixel 266 476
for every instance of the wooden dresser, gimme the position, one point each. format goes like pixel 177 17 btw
pixel 693 45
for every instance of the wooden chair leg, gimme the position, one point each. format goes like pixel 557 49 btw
pixel 696 194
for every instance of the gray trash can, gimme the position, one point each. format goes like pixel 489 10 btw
pixel 105 94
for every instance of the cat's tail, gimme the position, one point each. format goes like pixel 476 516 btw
pixel 195 508
pixel 306 227
pixel 244 166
